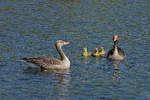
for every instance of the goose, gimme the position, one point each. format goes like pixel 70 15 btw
pixel 116 53
pixel 52 63
pixel 102 51
pixel 86 53
pixel 96 53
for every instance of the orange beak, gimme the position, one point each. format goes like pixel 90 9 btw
pixel 115 38
pixel 66 43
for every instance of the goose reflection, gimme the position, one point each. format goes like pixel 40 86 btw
pixel 96 59
pixel 61 80
pixel 85 59
pixel 116 70
pixel 34 70
pixel 61 87
pixel 57 71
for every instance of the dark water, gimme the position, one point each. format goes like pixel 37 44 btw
pixel 30 28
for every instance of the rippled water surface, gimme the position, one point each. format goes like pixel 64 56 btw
pixel 29 28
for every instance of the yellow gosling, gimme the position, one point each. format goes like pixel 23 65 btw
pixel 102 51
pixel 86 53
pixel 96 53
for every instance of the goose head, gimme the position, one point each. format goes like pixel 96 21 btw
pixel 61 43
pixel 115 39
pixel 84 49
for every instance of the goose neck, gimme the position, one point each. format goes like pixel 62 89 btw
pixel 60 51
pixel 116 47
pixel 116 44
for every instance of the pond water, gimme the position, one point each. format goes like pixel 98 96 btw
pixel 30 29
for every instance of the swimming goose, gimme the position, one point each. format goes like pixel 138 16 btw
pixel 116 53
pixel 96 53
pixel 102 51
pixel 86 53
pixel 52 63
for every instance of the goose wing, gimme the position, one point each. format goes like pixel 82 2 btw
pixel 110 53
pixel 121 52
pixel 43 61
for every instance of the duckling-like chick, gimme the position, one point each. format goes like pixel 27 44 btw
pixel 96 53
pixel 102 51
pixel 86 53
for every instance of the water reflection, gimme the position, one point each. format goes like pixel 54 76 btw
pixel 61 88
pixel 115 64
pixel 32 70
pixel 50 71
pixel 116 77
pixel 61 80
pixel 85 59
pixel 57 71
pixel 96 59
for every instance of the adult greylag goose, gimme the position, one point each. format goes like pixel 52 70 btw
pixel 52 63
pixel 116 53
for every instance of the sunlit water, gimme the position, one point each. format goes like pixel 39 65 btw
pixel 30 29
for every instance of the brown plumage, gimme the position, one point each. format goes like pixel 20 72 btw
pixel 43 61
pixel 116 53
pixel 52 62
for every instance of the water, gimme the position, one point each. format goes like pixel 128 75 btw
pixel 30 29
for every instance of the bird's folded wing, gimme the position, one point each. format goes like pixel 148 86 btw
pixel 43 61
